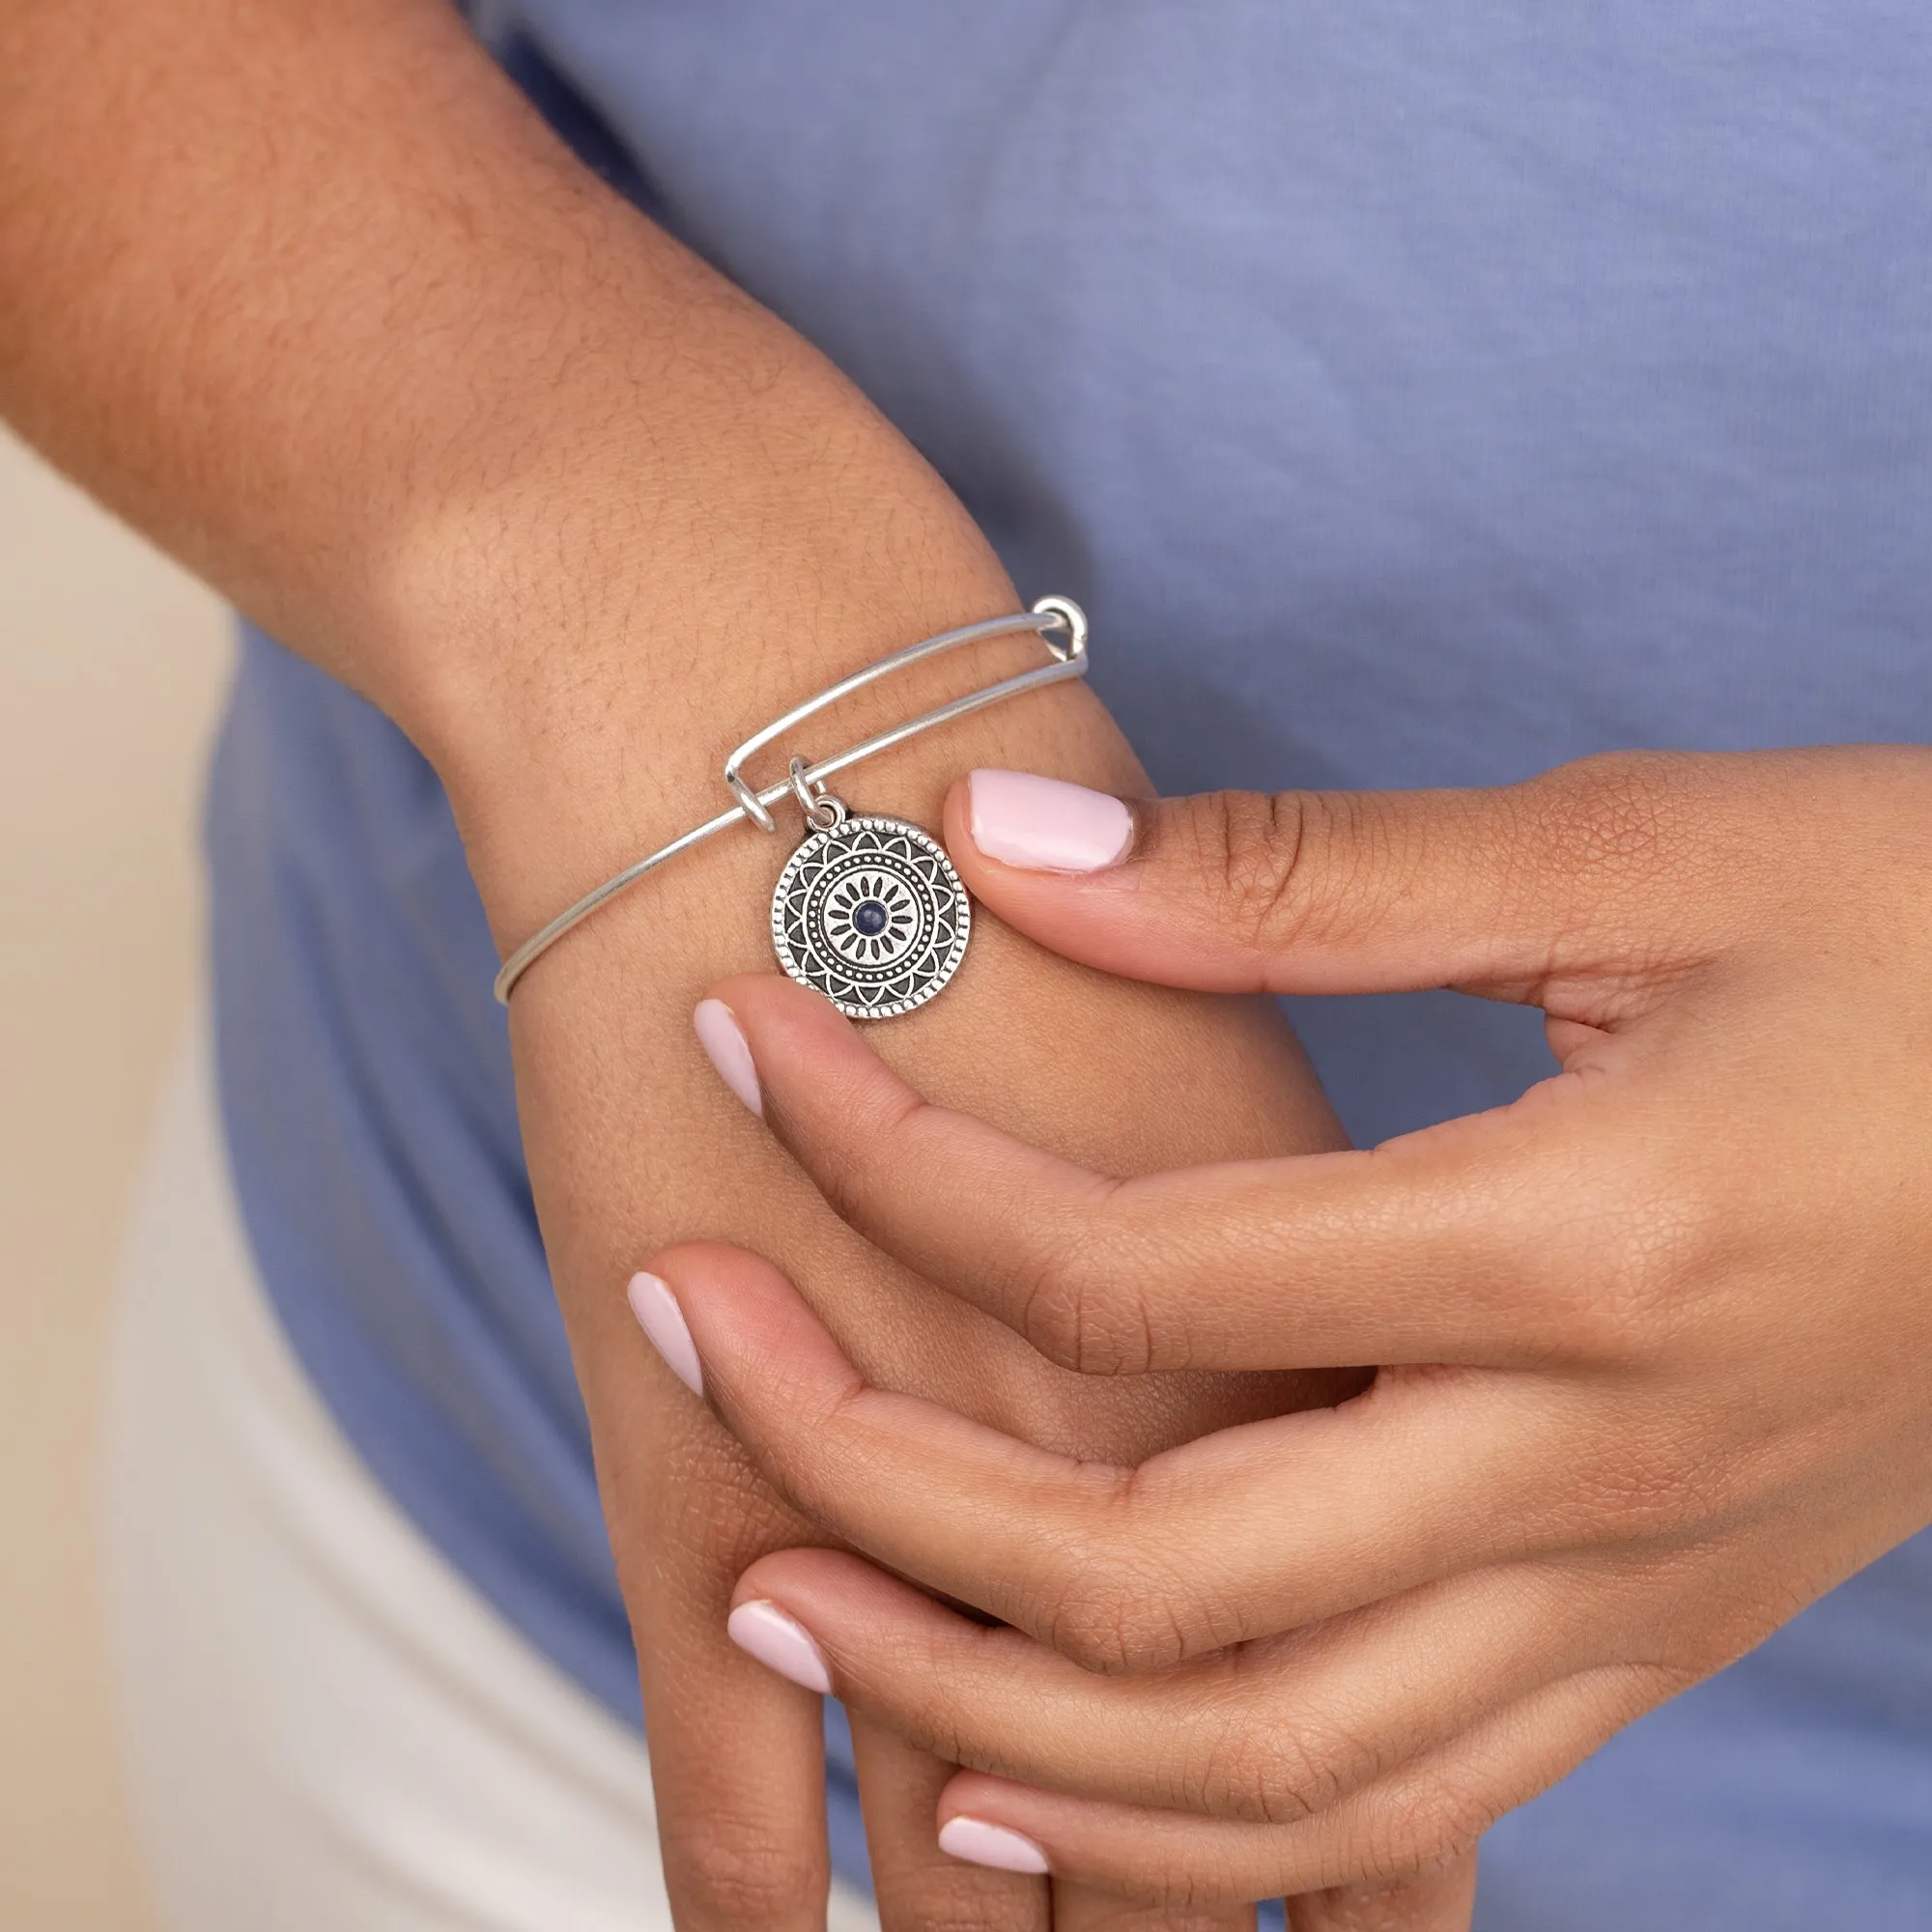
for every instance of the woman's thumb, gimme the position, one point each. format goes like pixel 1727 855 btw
pixel 1297 891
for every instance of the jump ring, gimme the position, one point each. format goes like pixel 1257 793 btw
pixel 822 811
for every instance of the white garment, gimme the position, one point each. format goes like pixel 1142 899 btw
pixel 327 1730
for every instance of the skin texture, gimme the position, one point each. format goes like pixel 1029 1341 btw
pixel 1653 1336
pixel 311 297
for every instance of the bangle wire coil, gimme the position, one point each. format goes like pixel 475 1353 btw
pixel 804 782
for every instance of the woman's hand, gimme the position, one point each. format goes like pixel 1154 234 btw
pixel 1653 1338
pixel 632 1141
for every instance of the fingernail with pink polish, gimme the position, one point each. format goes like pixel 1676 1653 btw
pixel 780 1643
pixel 660 1319
pixel 723 1043
pixel 978 1843
pixel 1045 825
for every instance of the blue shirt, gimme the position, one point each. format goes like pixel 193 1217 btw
pixel 1416 393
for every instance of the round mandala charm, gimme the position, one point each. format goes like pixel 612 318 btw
pixel 871 914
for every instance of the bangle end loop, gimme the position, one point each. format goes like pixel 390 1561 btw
pixel 748 800
pixel 1072 620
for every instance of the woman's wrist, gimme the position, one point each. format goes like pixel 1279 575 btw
pixel 600 731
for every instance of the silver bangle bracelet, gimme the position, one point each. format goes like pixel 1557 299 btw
pixel 867 911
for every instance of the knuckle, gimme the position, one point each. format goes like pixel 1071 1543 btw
pixel 722 1878
pixel 1611 1316
pixel 1249 849
pixel 1288 1779
pixel 1073 1311
pixel 1657 1241
pixel 1693 1235
pixel 1260 1781
pixel 1081 1328
pixel 1055 1309
pixel 838 1173
pixel 719 1514
pixel 1650 852
pixel 1664 1498
pixel 1611 817
pixel 929 1718
pixel 1641 1235
pixel 1180 1895
pixel 953 1900
pixel 851 1171
pixel 1436 1823
pixel 1113 1614
pixel 1098 1629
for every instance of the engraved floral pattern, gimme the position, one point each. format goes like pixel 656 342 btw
pixel 872 915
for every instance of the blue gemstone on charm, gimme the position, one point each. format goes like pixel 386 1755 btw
pixel 870 917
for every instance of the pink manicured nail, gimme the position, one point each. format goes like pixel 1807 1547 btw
pixel 717 1033
pixel 780 1643
pixel 979 1843
pixel 1045 825
pixel 660 1319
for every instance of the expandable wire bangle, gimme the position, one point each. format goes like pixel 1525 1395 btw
pixel 867 911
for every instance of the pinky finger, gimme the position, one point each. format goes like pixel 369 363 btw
pixel 1404 1833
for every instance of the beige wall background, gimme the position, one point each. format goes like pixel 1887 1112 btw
pixel 111 668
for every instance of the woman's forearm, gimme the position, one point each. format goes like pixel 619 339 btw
pixel 289 288
pixel 313 298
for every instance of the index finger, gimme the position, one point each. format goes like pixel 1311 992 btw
pixel 1446 1247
